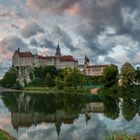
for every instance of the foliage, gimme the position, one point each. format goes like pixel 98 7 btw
pixel 5 136
pixel 73 78
pixel 59 83
pixel 49 80
pixel 127 73
pixel 39 72
pixel 92 80
pixel 38 75
pixel 17 85
pixel 111 107
pixel 137 75
pixel 32 76
pixel 9 79
pixel 115 136
pixel 110 76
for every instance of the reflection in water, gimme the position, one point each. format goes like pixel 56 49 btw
pixel 111 107
pixel 33 109
pixel 29 109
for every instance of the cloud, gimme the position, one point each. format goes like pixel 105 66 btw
pixel 4 66
pixel 12 43
pixel 63 38
pixel 7 47
pixel 52 5
pixel 34 43
pixel 31 30
pixel 42 43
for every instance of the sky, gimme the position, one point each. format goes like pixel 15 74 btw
pixel 106 31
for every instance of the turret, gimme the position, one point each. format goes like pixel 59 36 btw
pixel 58 51
pixel 58 128
pixel 86 63
pixel 18 49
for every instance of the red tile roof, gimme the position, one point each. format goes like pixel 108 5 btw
pixel 67 58
pixel 25 54
pixel 41 57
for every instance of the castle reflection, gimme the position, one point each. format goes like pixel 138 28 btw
pixel 33 109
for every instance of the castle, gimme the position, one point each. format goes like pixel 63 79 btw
pixel 23 62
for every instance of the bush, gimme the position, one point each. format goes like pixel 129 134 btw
pixel 59 83
pixel 9 79
pixel 17 85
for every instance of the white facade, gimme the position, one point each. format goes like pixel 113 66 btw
pixel 26 60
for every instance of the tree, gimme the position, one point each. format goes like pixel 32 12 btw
pixel 73 77
pixel 137 75
pixel 9 79
pixel 127 74
pixel 59 83
pixel 49 80
pixel 17 85
pixel 110 76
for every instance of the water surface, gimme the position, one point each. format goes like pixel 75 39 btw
pixel 67 117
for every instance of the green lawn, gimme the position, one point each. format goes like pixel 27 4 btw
pixel 55 90
pixel 5 136
pixel 124 136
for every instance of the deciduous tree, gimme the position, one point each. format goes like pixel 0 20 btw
pixel 110 76
pixel 127 74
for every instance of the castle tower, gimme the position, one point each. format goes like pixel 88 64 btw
pixel 86 63
pixel 58 51
pixel 58 128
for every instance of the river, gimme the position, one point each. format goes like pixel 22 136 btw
pixel 29 116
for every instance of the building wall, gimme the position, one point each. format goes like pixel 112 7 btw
pixel 62 65
pixel 26 61
pixel 94 71
pixel 16 59
pixel 37 62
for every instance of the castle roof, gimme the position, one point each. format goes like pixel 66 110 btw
pixel 41 57
pixel 67 58
pixel 25 54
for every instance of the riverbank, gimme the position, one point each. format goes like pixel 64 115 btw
pixel 55 90
pixel 124 136
pixel 6 136
pixel 32 89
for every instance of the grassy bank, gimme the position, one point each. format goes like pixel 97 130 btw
pixel 5 136
pixel 124 136
pixel 55 90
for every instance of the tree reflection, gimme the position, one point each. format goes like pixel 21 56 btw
pixel 111 107
pixel 29 109
pixel 129 108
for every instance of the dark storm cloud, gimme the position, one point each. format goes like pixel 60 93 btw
pixel 63 38
pixel 13 43
pixel 53 5
pixel 45 43
pixel 121 15
pixel 110 60
pixel 34 43
pixel 4 66
pixel 31 30
pixel 108 13
pixel 42 43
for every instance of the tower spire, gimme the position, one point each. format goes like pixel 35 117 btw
pixel 58 128
pixel 58 51
pixel 86 60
